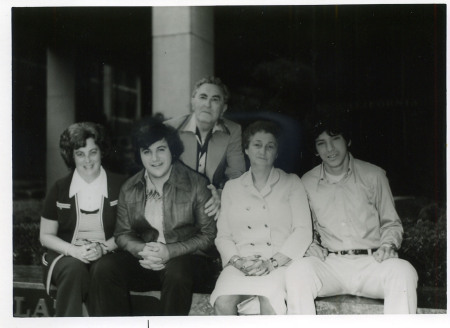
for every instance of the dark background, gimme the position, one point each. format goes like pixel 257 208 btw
pixel 385 65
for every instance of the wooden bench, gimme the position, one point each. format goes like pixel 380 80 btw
pixel 30 299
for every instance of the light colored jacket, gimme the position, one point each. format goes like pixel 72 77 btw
pixel 276 219
pixel 225 157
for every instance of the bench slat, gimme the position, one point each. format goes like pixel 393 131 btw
pixel 30 277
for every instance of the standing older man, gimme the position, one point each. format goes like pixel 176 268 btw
pixel 212 144
pixel 360 232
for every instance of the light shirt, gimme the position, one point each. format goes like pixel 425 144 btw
pixel 89 195
pixel 89 200
pixel 334 178
pixel 154 208
pixel 357 212
pixel 89 228
pixel 202 145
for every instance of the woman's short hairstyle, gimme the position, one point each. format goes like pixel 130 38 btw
pixel 75 137
pixel 149 131
pixel 260 126
pixel 216 81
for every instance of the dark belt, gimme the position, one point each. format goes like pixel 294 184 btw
pixel 355 252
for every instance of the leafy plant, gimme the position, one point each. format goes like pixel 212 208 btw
pixel 425 244
pixel 26 246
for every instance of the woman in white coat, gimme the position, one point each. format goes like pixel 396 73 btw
pixel 264 223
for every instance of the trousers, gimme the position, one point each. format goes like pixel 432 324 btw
pixel 72 280
pixel 393 280
pixel 121 273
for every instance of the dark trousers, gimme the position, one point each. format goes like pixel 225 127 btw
pixel 71 278
pixel 121 272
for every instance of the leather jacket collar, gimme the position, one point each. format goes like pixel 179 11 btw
pixel 178 178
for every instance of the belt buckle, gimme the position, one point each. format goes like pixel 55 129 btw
pixel 350 252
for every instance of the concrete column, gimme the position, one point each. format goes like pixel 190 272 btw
pixel 183 52
pixel 60 108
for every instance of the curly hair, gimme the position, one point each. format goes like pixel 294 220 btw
pixel 149 131
pixel 216 81
pixel 75 137
pixel 334 120
pixel 260 126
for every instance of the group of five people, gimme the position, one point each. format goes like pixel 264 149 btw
pixel 282 240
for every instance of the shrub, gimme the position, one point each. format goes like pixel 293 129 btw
pixel 26 246
pixel 425 244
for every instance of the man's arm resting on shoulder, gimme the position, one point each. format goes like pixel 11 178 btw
pixel 235 156
pixel 212 206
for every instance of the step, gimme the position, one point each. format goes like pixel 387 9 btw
pixel 31 299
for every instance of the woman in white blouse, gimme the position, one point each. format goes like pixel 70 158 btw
pixel 79 217
pixel 264 223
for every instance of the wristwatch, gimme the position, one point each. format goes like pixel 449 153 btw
pixel 233 261
pixel 274 262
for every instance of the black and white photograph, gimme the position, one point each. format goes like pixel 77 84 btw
pixel 200 163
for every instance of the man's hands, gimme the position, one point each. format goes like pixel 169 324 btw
pixel 154 256
pixel 385 252
pixel 212 206
pixel 317 250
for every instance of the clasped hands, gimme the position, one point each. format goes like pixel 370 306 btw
pixel 254 265
pixel 154 256
pixel 86 253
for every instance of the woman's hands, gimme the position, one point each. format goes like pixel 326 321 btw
pixel 253 265
pixel 94 251
pixel 86 253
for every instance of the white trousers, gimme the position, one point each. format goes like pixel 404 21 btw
pixel 393 280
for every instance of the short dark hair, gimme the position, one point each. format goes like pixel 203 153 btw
pixel 260 126
pixel 75 137
pixel 212 80
pixel 148 131
pixel 330 119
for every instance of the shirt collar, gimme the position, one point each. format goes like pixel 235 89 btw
pixel 148 182
pixel 150 186
pixel 273 178
pixel 78 184
pixel 150 189
pixel 351 169
pixel 178 177
pixel 191 125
